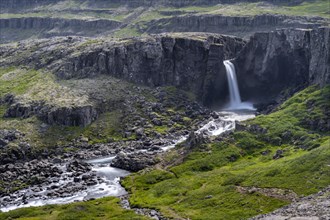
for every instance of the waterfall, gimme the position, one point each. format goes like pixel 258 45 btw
pixel 235 102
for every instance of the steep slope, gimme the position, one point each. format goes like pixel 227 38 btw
pixel 266 163
pixel 283 60
pixel 192 62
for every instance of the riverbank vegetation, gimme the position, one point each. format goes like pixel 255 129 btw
pixel 273 159
pixel 265 164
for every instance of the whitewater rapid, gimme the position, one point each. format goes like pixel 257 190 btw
pixel 110 186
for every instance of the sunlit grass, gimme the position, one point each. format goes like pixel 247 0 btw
pixel 204 185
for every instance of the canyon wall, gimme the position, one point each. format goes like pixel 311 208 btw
pixel 274 61
pixel 192 62
pixel 17 5
pixel 268 64
pixel 49 27
pixel 235 25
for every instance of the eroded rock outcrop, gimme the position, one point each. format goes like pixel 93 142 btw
pixel 51 114
pixel 192 62
pixel 237 25
pixel 268 63
pixel 14 5
pixel 49 27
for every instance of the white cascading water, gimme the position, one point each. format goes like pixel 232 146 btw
pixel 235 102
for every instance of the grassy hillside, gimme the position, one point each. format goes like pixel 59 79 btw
pixel 217 179
pixel 69 11
pixel 132 18
pixel 106 208
pixel 276 158
pixel 30 85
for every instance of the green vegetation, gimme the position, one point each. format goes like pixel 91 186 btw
pixel 307 8
pixel 106 208
pixel 128 31
pixel 76 15
pixel 31 85
pixel 206 183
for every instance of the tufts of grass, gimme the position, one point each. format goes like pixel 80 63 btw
pixel 32 85
pixel 105 208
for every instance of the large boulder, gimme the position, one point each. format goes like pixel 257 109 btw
pixel 134 162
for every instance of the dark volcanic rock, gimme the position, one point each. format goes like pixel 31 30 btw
pixel 49 27
pixel 192 61
pixel 195 140
pixel 236 25
pixel 78 166
pixel 134 162
pixel 70 115
pixel 184 62
pixel 319 64
pixel 311 207
pixel 271 62
pixel 16 5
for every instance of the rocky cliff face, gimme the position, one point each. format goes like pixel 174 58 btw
pixel 269 63
pixel 188 63
pixel 192 62
pixel 51 114
pixel 48 27
pixel 289 58
pixel 319 64
pixel 236 25
pixel 15 5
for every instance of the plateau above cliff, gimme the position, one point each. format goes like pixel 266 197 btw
pixel 21 20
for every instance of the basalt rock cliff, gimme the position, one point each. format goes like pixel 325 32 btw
pixel 241 26
pixel 49 27
pixel 191 62
pixel 268 64
pixel 289 58
pixel 14 5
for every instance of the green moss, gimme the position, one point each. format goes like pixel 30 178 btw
pixel 106 208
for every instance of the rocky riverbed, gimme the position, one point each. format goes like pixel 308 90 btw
pixel 76 177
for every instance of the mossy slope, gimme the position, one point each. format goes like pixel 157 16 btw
pixel 206 185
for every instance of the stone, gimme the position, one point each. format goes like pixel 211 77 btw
pixel 278 154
